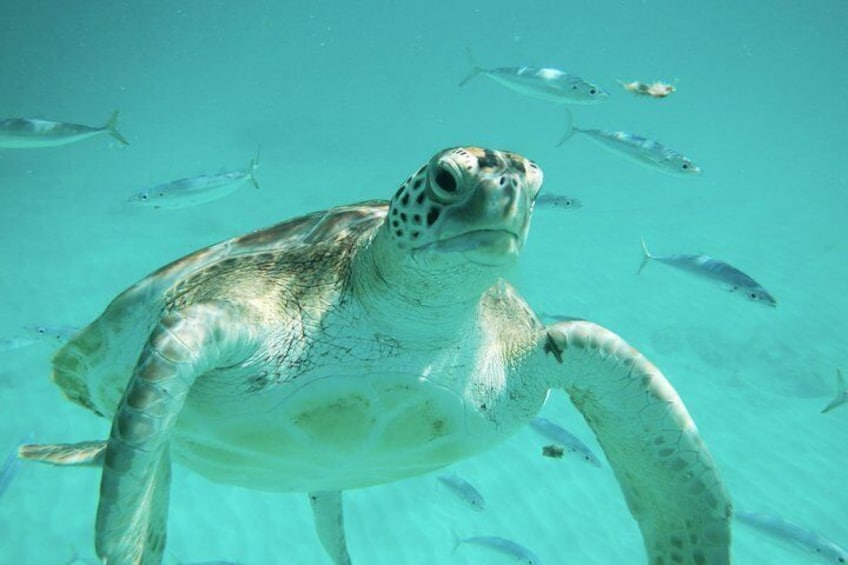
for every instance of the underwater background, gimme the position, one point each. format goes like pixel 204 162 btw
pixel 346 99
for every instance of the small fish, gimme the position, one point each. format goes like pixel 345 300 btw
pixel 655 89
pixel 12 465
pixel 560 317
pixel 558 201
pixel 730 278
pixel 38 334
pixel 841 393
pixel 564 438
pixel 782 530
pixel 28 133
pixel 503 546
pixel 463 490
pixel 201 189
pixel 56 335
pixel 553 451
pixel 547 84
pixel 643 151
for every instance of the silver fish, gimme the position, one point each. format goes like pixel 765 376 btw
pixel 703 266
pixel 558 201
pixel 782 530
pixel 28 133
pixel 560 317
pixel 547 84
pixel 641 150
pixel 841 393
pixel 201 189
pixel 38 334
pixel 503 546
pixel 56 335
pixel 464 490
pixel 564 438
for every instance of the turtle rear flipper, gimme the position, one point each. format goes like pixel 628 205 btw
pixel 329 523
pixel 134 488
pixel 84 453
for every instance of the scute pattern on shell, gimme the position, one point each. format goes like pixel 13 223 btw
pixel 92 369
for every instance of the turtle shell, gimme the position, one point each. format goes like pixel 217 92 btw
pixel 94 367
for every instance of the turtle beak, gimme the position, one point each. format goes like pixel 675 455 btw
pixel 491 225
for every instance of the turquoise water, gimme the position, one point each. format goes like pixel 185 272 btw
pixel 346 100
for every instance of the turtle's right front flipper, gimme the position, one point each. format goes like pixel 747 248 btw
pixel 132 514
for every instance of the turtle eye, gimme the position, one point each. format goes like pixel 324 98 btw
pixel 443 182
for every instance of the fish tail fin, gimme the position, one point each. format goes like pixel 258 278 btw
pixel 626 86
pixel 646 257
pixel 457 541
pixel 474 68
pixel 570 128
pixel 251 169
pixel 841 393
pixel 112 127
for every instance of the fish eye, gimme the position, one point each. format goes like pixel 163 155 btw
pixel 143 196
pixel 684 166
pixel 592 91
pixel 753 296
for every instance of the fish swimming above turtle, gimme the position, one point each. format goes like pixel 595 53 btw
pixel 362 345
pixel 200 189
pixel 646 152
pixel 656 89
pixel 31 133
pixel 542 83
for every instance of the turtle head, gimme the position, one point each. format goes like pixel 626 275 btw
pixel 469 204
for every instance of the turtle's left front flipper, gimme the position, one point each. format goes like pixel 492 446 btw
pixel 132 514
pixel 668 477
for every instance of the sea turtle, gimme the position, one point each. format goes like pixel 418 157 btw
pixel 362 345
